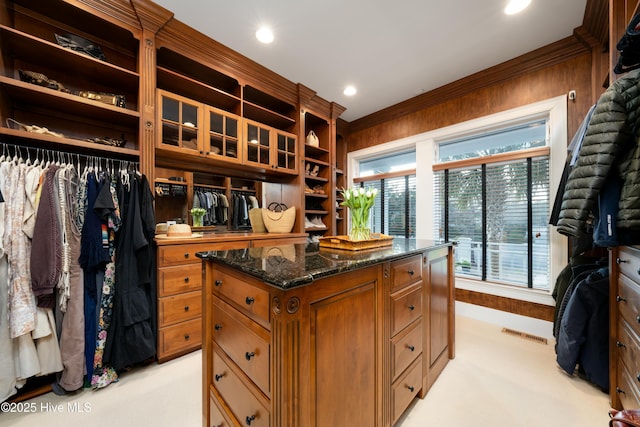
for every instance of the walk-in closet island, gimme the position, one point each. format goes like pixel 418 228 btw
pixel 302 335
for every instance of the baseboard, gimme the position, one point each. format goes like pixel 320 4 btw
pixel 518 322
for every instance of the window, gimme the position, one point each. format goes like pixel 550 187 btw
pixel 394 212
pixel 491 195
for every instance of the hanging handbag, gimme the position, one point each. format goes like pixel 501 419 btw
pixel 312 139
pixel 624 418
pixel 278 218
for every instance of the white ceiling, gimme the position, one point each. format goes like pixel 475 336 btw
pixel 390 50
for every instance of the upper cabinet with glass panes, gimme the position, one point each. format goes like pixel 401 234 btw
pixel 180 123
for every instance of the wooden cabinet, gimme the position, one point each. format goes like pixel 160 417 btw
pixel 236 124
pixel 406 336
pixel 180 293
pixel 266 147
pixel 438 308
pixel 62 96
pixel 624 369
pixel 348 349
pixel 180 296
pixel 188 126
pixel 180 122
pixel 222 135
pixel 189 100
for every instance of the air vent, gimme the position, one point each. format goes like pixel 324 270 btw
pixel 524 335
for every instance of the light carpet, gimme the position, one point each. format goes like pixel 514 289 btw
pixel 496 380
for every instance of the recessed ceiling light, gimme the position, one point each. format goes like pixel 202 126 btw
pixel 516 6
pixel 350 90
pixel 264 35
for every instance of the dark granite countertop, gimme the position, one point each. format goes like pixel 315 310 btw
pixel 289 266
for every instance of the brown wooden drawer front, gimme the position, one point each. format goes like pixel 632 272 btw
pixel 405 389
pixel 405 347
pixel 629 262
pixel 628 349
pixel 176 280
pixel 628 300
pixel 169 255
pixel 405 272
pixel 180 337
pixel 178 308
pixel 627 387
pixel 243 345
pixel 406 306
pixel 247 298
pixel 244 405
pixel 216 419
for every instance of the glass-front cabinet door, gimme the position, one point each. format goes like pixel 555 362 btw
pixel 268 147
pixel 257 148
pixel 180 123
pixel 286 158
pixel 222 135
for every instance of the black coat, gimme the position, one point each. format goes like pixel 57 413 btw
pixel 583 337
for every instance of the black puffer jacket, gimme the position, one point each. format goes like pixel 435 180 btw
pixel 610 145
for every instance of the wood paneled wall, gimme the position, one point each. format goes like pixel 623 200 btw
pixel 501 88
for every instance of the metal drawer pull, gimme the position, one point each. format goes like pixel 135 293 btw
pixel 186 308
pixel 186 254
pixel 249 355
pixel 186 337
pixel 620 261
pixel 638 319
pixel 620 299
pixel 638 377
pixel 619 390
pixel 218 282
pixel 411 272
pixel 411 388
pixel 249 300
pixel 412 307
pixel 219 377
pixel 250 419
pixel 218 326
pixel 186 280
pixel 411 348
pixel 619 344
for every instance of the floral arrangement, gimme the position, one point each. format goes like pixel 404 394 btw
pixel 359 201
pixel 197 214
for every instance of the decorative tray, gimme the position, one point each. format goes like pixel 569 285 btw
pixel 377 240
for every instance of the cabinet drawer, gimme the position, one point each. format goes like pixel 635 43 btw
pixel 406 306
pixel 176 280
pixel 216 419
pixel 178 308
pixel 628 300
pixel 180 337
pixel 245 406
pixel 405 389
pixel 405 347
pixel 247 298
pixel 629 262
pixel 169 255
pixel 628 349
pixel 243 342
pixel 627 387
pixel 405 272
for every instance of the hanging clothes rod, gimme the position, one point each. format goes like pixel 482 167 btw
pixel 46 154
